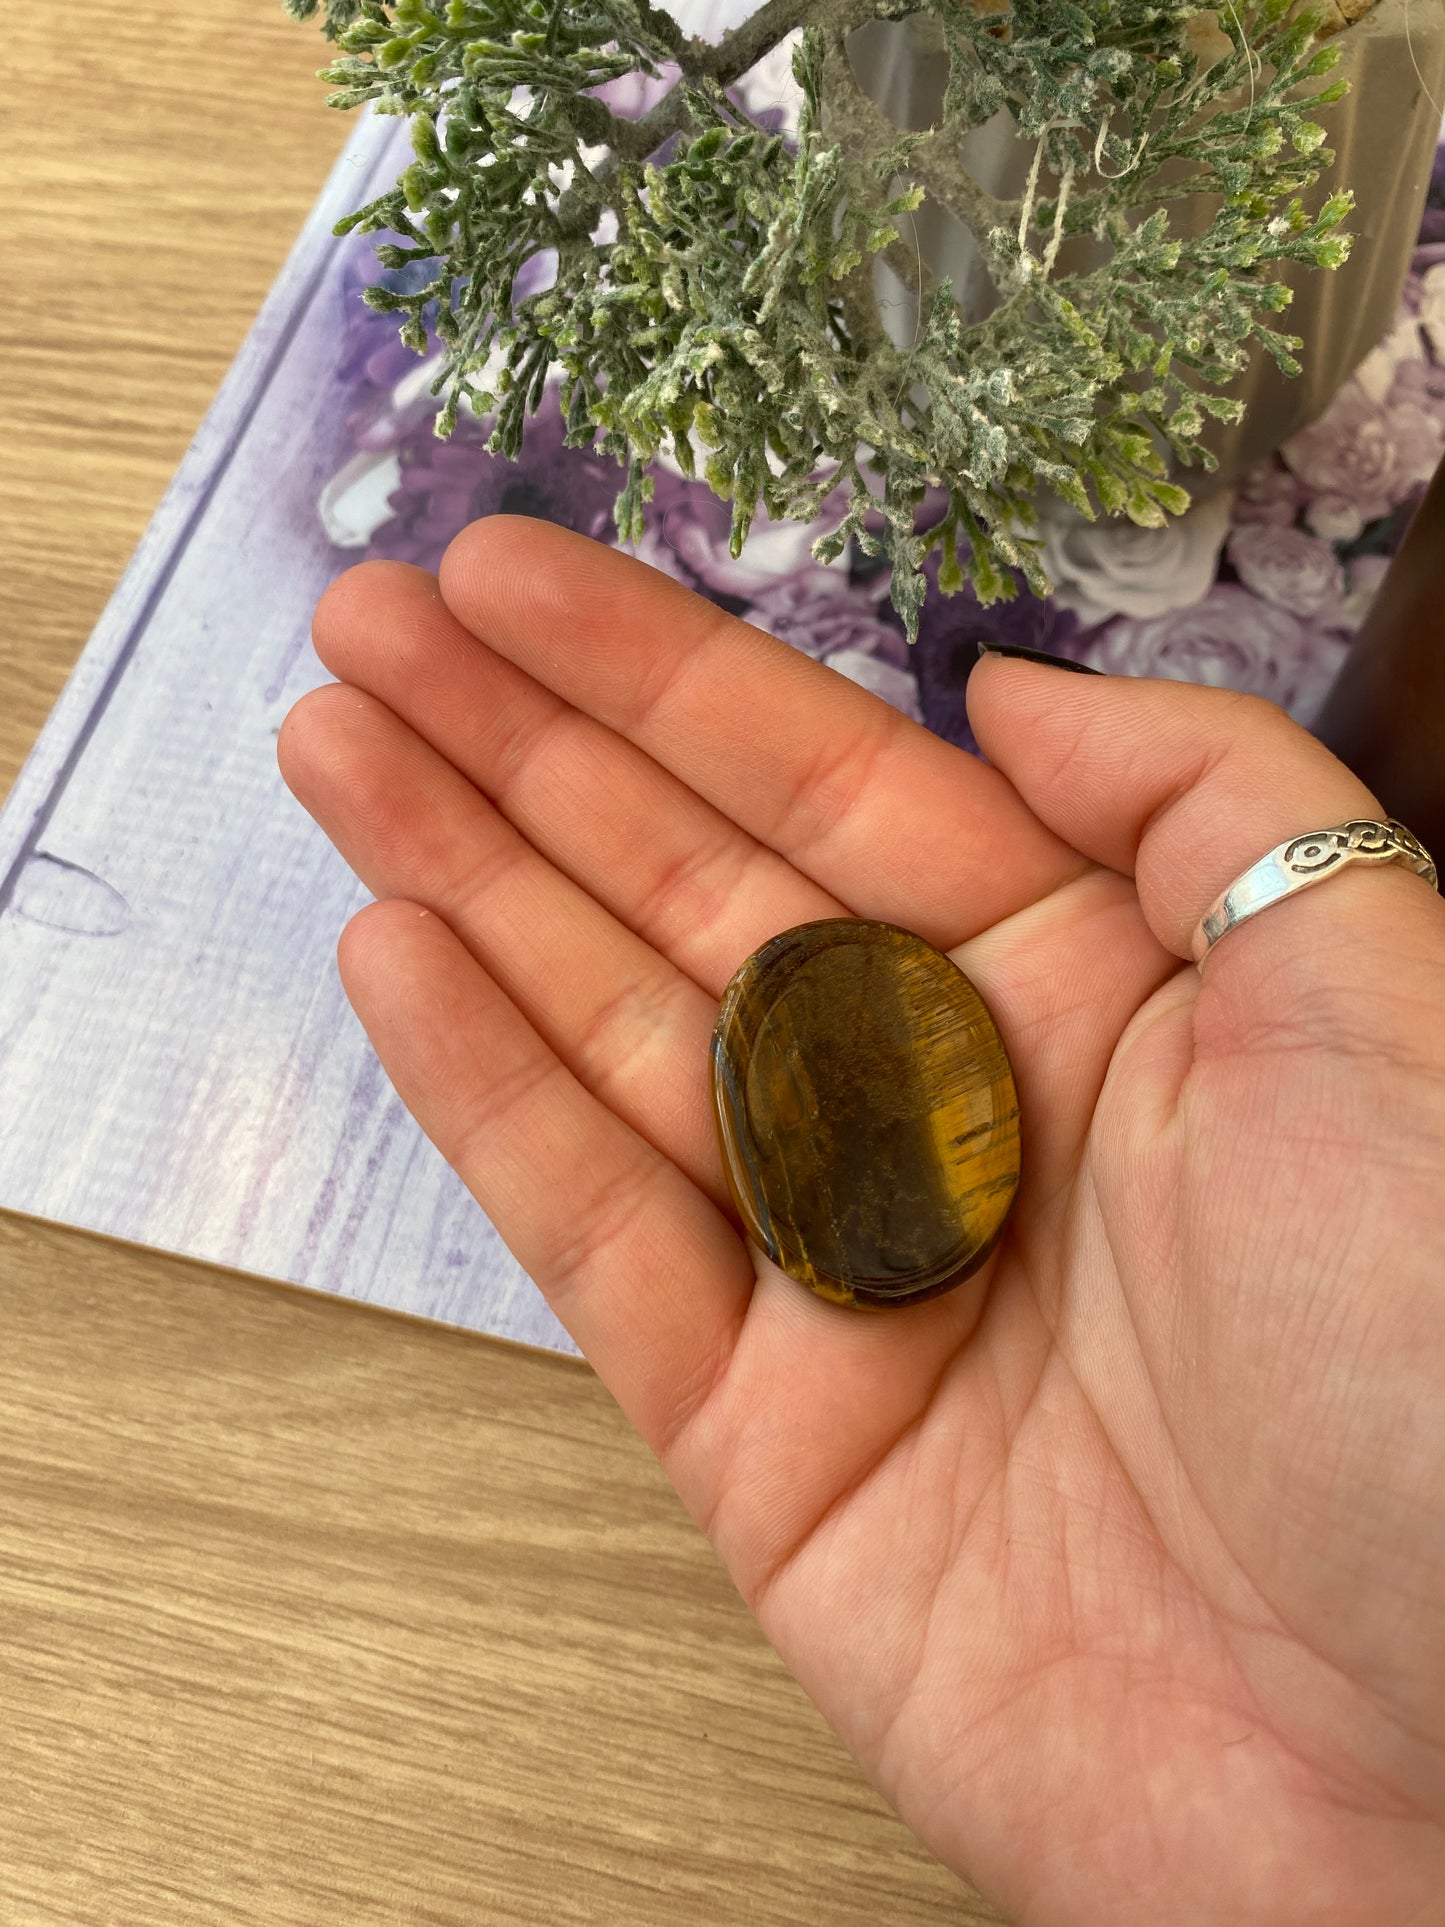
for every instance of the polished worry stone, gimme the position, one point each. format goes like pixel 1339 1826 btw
pixel 866 1112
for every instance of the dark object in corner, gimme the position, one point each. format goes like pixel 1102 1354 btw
pixel 1020 654
pixel 1385 716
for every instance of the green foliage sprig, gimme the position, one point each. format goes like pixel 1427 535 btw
pixel 713 286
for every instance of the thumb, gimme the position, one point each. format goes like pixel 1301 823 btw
pixel 1183 787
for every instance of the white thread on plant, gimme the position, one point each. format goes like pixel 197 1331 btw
pixel 917 309
pixel 1130 164
pixel 918 301
pixel 1026 259
pixel 1099 148
pixel 1027 211
pixel 1051 254
pixel 1410 44
pixel 1256 65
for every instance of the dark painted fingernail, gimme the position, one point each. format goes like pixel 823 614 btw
pixel 1035 655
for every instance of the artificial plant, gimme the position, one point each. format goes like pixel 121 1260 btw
pixel 713 293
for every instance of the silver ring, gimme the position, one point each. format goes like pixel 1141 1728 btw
pixel 1305 860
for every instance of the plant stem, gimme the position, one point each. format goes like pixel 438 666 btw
pixel 723 63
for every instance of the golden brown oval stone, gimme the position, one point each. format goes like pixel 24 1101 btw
pixel 866 1112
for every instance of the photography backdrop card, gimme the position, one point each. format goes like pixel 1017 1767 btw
pixel 178 1063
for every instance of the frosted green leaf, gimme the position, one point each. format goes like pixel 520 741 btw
pixel 736 297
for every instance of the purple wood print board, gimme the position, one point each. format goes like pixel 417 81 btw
pixel 178 1062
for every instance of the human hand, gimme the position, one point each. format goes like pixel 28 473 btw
pixel 1120 1568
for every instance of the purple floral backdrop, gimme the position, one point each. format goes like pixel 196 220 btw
pixel 1258 588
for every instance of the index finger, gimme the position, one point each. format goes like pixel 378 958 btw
pixel 897 823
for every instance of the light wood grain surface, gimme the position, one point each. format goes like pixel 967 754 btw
pixel 311 1616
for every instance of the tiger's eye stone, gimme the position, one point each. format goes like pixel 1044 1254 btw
pixel 866 1112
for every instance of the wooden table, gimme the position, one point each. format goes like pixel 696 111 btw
pixel 311 1616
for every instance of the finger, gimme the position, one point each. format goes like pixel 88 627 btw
pixel 784 1318
pixel 1184 787
pixel 680 873
pixel 716 1362
pixel 642 1270
pixel 871 806
pixel 632 1029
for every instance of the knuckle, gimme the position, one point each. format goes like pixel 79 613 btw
pixel 1254 718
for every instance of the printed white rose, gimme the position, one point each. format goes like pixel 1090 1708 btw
pixel 1108 568
pixel 1404 343
pixel 658 554
pixel 770 84
pixel 709 19
pixel 1288 567
pixel 1360 460
pixel 357 500
pixel 1367 572
pixel 696 525
pixel 1432 307
pixel 896 686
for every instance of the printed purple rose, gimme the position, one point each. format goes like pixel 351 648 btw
pixel 950 629
pixel 1288 567
pixel 386 381
pixel 1268 493
pixel 838 624
pixel 1231 640
pixel 372 353
pixel 767 92
pixel 630 95
pixel 1359 460
pixel 444 485
pixel 1420 385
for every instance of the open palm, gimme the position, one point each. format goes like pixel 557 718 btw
pixel 1121 1568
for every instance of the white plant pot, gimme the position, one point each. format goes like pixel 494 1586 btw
pixel 1384 134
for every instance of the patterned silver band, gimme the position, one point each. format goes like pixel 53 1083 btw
pixel 1305 860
